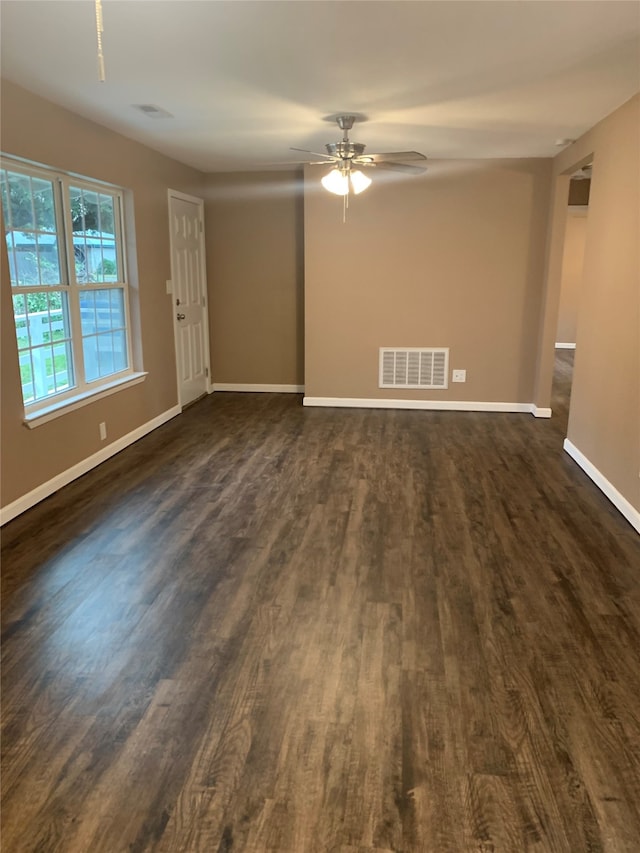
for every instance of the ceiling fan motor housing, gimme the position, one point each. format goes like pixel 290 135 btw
pixel 345 150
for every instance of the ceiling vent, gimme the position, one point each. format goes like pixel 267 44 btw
pixel 414 367
pixel 152 111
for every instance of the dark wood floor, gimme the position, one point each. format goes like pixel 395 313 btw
pixel 269 628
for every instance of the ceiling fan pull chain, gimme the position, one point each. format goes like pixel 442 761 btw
pixel 99 31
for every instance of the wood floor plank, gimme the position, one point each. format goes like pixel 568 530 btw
pixel 270 628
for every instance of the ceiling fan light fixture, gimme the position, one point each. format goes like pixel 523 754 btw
pixel 336 182
pixel 359 181
pixel 346 156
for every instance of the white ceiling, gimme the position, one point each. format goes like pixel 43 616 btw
pixel 245 80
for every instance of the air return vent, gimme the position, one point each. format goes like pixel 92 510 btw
pixel 414 368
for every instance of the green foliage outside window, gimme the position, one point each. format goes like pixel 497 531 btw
pixel 105 268
pixel 52 257
pixel 91 211
pixel 32 206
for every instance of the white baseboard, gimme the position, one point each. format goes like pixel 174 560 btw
pixel 540 411
pixel 43 491
pixel 266 389
pixel 560 345
pixel 619 501
pixel 430 405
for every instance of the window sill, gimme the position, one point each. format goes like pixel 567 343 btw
pixel 69 404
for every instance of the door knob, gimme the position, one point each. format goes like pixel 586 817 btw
pixel 181 316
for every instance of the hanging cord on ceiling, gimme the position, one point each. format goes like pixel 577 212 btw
pixel 99 31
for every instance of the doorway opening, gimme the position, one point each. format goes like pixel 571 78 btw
pixel 575 237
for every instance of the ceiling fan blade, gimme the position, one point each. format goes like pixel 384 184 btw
pixel 393 155
pixel 408 168
pixel 328 157
pixel 302 163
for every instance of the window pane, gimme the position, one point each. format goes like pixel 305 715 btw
pixel 42 360
pixel 13 272
pixel 47 353
pixel 20 317
pixel 103 310
pixel 107 214
pixel 4 194
pixel 106 269
pixel 105 354
pixel 26 377
pixel 43 332
pixel 30 230
pixel 120 360
pixel 104 333
pixel 32 267
pixel 88 312
pixel 62 366
pixel 94 240
pixel 44 208
pixel 20 201
pixel 90 350
pixel 117 308
pixel 46 258
pixel 59 321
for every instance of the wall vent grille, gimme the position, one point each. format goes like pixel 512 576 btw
pixel 413 367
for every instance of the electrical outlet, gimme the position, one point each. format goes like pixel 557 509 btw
pixel 459 376
pixel 103 431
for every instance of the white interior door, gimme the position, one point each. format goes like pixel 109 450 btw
pixel 186 216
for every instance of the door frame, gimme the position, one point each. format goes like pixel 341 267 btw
pixel 205 290
pixel 550 306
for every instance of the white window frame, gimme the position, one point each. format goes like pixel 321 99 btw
pixel 83 391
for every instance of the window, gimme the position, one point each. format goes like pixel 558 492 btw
pixel 69 284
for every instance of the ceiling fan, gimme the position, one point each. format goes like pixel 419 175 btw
pixel 348 159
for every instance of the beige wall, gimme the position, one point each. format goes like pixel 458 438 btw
pixel 452 258
pixel 571 276
pixel 255 267
pixel 604 421
pixel 37 130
